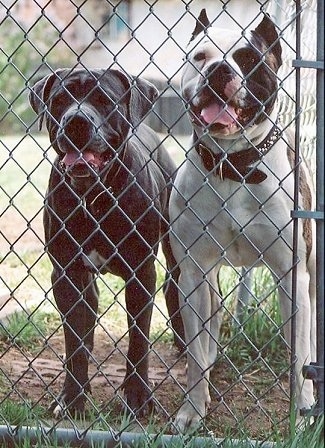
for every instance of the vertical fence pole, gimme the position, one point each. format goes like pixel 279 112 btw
pixel 315 371
pixel 320 204
pixel 293 357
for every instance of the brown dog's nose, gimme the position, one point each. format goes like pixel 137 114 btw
pixel 77 130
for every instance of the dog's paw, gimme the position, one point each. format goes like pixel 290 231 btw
pixel 58 409
pixel 140 405
pixel 139 400
pixel 304 419
pixel 188 419
pixel 63 406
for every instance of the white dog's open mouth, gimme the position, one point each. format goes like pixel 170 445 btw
pixel 217 114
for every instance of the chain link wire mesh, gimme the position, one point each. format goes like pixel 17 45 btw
pixel 250 382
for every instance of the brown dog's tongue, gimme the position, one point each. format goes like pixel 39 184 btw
pixel 215 113
pixel 75 157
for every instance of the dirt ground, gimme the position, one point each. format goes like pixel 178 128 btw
pixel 253 401
pixel 235 405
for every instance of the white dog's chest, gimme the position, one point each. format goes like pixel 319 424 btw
pixel 232 201
pixel 227 216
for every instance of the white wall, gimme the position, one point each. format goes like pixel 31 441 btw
pixel 162 33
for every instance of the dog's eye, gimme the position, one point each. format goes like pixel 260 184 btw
pixel 199 56
pixel 247 59
pixel 250 62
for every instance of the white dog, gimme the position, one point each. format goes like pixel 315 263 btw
pixel 232 199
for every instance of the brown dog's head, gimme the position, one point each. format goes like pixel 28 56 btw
pixel 89 115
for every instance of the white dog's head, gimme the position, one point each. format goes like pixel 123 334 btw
pixel 229 80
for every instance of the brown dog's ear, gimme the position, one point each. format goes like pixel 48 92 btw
pixel 143 95
pixel 202 23
pixel 140 95
pixel 39 95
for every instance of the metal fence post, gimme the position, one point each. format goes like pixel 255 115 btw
pixel 315 371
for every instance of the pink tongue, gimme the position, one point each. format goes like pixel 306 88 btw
pixel 74 157
pixel 217 114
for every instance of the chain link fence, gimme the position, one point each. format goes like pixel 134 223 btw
pixel 78 369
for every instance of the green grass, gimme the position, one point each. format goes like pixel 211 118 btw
pixel 18 414
pixel 257 331
pixel 28 329
pixel 31 416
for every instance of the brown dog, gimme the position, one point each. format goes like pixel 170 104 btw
pixel 106 211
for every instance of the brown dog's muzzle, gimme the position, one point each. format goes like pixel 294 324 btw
pixel 78 140
pixel 78 130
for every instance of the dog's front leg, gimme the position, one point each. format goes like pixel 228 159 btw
pixel 139 295
pixel 76 296
pixel 196 307
pixel 304 345
pixel 171 292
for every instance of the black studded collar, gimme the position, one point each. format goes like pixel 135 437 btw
pixel 238 166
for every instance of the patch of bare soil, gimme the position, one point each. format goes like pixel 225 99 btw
pixel 254 403
pixel 20 234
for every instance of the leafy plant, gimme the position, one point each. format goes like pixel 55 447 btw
pixel 258 332
pixel 26 330
pixel 24 55
pixel 19 414
pixel 27 414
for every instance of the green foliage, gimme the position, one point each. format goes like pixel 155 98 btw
pixel 12 413
pixel 25 56
pixel 257 331
pixel 19 414
pixel 309 436
pixel 27 331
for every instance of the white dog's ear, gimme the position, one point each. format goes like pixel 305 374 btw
pixel 202 23
pixel 267 31
pixel 39 95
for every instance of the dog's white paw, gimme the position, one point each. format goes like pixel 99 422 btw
pixel 188 419
pixel 304 419
pixel 58 410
